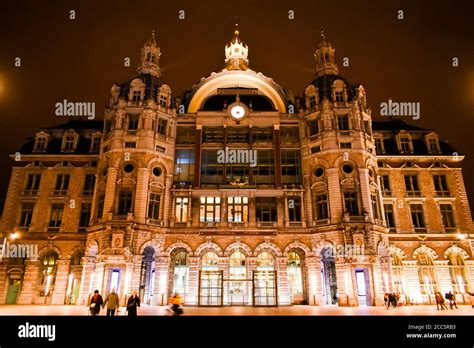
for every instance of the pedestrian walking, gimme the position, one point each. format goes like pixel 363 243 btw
pixel 471 297
pixel 132 304
pixel 440 301
pixel 386 301
pixel 112 302
pixel 452 300
pixel 95 303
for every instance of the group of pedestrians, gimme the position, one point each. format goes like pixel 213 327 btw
pixel 391 299
pixel 440 300
pixel 113 303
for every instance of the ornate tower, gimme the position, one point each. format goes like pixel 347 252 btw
pixel 324 54
pixel 150 56
pixel 236 53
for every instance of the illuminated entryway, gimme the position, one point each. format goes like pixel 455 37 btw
pixel 210 281
pixel 295 277
pixel 363 286
pixel 328 276
pixel 237 285
pixel 265 281
pixel 147 275
pixel 179 260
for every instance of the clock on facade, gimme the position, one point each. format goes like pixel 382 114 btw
pixel 237 111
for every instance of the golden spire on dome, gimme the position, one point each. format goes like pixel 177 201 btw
pixel 236 52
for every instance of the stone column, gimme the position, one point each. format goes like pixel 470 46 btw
pixel 193 282
pixel 161 290
pixel 110 191
pixel 276 142
pixel 197 165
pixel 167 213
pixel 308 200
pixel 252 213
pixel 345 286
pixel 284 297
pixel 141 194
pixel 336 208
pixel 314 286
pixel 60 284
pixel 224 267
pixel 29 283
pixel 378 284
pixel 99 278
pixel 87 272
pixel 365 192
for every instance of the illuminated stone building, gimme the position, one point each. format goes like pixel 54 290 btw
pixel 237 193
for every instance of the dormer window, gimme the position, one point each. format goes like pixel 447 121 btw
pixel 405 145
pixel 339 96
pixel 433 145
pixel 136 96
pixel 95 144
pixel 69 142
pixel 163 100
pixel 40 144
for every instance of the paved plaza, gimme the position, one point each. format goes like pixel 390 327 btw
pixel 202 311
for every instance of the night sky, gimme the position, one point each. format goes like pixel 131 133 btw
pixel 79 60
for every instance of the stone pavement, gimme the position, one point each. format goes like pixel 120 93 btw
pixel 6 310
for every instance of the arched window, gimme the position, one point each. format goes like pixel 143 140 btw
pixel 237 268
pixel 426 273
pixel 458 272
pixel 147 274
pixel 265 261
pixel 179 261
pixel 295 273
pixel 210 261
pixel 397 274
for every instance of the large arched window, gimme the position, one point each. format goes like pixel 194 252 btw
pixel 458 272
pixel 265 261
pixel 237 268
pixel 179 261
pixel 295 273
pixel 210 261
pixel 426 273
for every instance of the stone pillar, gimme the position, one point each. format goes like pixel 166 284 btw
pixel 285 211
pixel 252 213
pixel 161 290
pixel 284 297
pixel 87 272
pixel 443 277
pixel 378 286
pixel 280 211
pixel 193 282
pixel 252 266
pixel 29 283
pixel 168 212
pixel 345 284
pixel 413 284
pixel 314 286
pixel 197 165
pixel 110 191
pixel 99 280
pixel 334 195
pixel 60 284
pixel 365 192
pixel 276 143
pixel 308 200
pixel 141 194
pixel 224 267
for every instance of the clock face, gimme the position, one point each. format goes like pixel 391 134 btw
pixel 237 111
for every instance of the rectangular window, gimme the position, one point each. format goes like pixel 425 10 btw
pixel 405 145
pixel 290 167
pixel 379 145
pixel 447 215
pixel 154 206
pixel 181 213
pixel 237 173
pixel 350 203
pixel 89 183
pixel 32 184
pixel 433 146
pixel 375 206
pixel 130 144
pixel 294 208
pixel 238 135
pixel 162 126
pixel 40 144
pixel 184 167
pixel 385 185
pixel 213 135
pixel 266 209
pixel 290 135
pixel 136 96
pixel 389 216
pixel 26 214
pixel 264 171
pixel 132 122
pixel 343 122
pixel 441 185
pixel 313 126
pixel 212 172
pixel 69 143
pixel 346 145
pixel 185 135
pixel 237 209
pixel 417 216
pixel 85 214
pixel 95 144
pixel 262 134
pixel 316 149
pixel 210 210
pixel 163 100
pixel 125 202
pixel 100 206
pixel 56 215
pixel 339 96
pixel 62 184
pixel 411 185
pixel 322 207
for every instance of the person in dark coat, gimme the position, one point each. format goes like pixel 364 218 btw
pixel 95 303
pixel 132 304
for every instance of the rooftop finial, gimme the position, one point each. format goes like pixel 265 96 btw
pixel 323 36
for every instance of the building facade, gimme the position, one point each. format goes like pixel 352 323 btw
pixel 237 193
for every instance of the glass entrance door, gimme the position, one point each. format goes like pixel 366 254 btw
pixel 210 288
pixel 264 288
